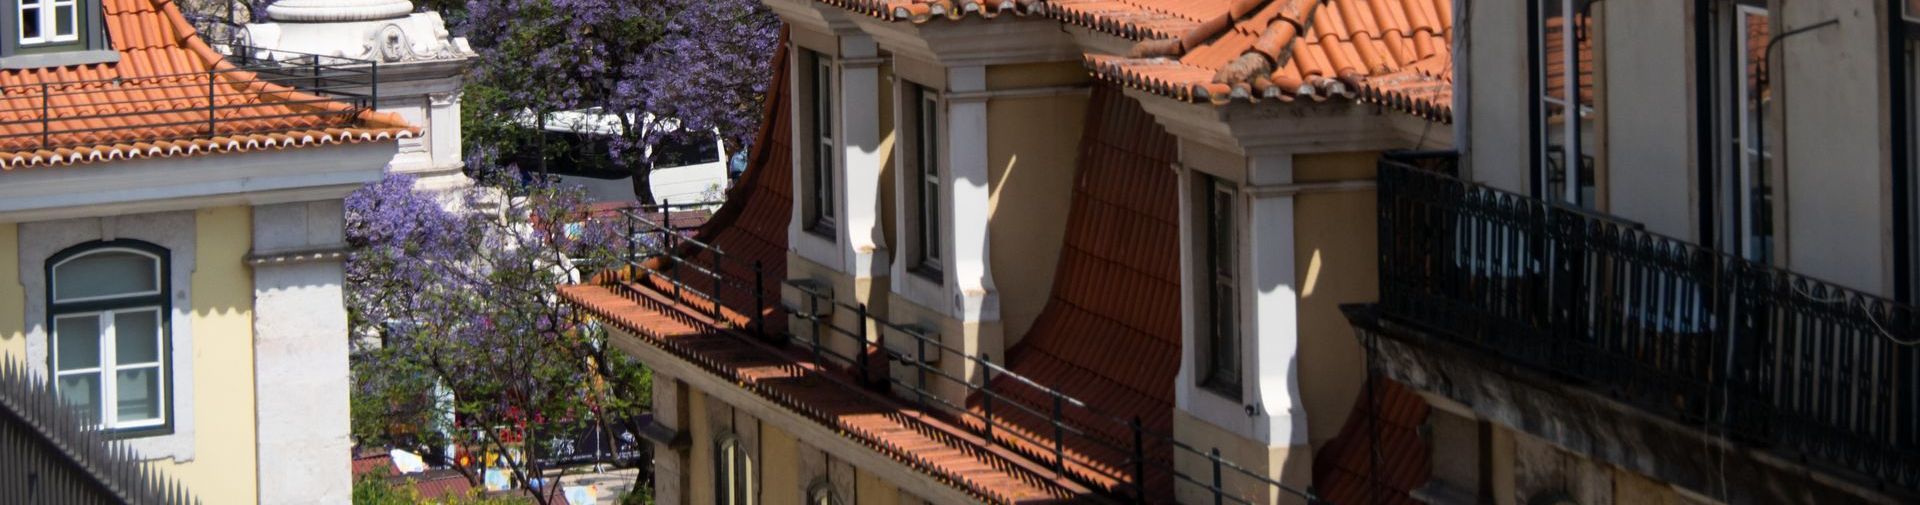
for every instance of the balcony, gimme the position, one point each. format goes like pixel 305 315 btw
pixel 1774 360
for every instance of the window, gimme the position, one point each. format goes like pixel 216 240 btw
pixel 732 473
pixel 821 493
pixel 818 80
pixel 1564 78
pixel 48 21
pixel 108 318
pixel 1220 357
pixel 924 153
pixel 1740 102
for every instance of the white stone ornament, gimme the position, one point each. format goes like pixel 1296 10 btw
pixel 321 11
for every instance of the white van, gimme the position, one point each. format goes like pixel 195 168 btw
pixel 688 168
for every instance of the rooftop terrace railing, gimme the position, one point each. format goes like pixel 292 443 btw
pixel 1766 356
pixel 263 91
pixel 1077 439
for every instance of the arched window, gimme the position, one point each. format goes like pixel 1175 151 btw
pixel 821 493
pixel 108 315
pixel 732 472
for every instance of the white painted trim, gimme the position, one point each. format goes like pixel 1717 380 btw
pixel 155 185
pixel 968 200
pixel 861 159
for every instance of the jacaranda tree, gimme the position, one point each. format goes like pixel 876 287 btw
pixel 657 68
pixel 459 338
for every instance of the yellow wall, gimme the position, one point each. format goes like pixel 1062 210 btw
pixel 1032 144
pixel 700 463
pixel 1279 462
pixel 223 469
pixel 13 297
pixel 780 482
pixel 870 490
pixel 1335 248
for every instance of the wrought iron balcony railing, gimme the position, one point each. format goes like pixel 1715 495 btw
pixel 1772 358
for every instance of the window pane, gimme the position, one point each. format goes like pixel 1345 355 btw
pixel 105 274
pixel 29 22
pixel 139 395
pixel 136 337
pixel 77 342
pixel 63 20
pixel 82 391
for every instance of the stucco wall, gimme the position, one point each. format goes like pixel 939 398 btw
pixel 1836 207
pixel 1497 153
pixel 13 297
pixel 1031 147
pixel 224 467
pixel 1649 140
pixel 1336 263
pixel 781 482
pixel 870 490
pixel 1279 462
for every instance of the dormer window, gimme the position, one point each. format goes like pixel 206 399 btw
pixel 53 33
pixel 48 22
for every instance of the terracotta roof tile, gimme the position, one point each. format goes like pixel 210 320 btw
pixel 154 102
pixel 1391 52
pixel 921 11
pixel 1109 335
pixel 1377 460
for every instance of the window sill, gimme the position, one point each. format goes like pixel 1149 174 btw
pixel 1228 392
pixel 930 274
pixel 58 59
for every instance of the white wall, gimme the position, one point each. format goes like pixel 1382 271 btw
pixel 300 353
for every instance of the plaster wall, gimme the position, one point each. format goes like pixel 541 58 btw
pixel 13 296
pixel 1335 255
pixel 1835 202
pixel 781 480
pixel 1291 465
pixel 848 289
pixel 973 337
pixel 1032 144
pixel 871 490
pixel 1650 157
pixel 1497 153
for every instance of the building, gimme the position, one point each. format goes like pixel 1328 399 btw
pixel 171 236
pixel 1276 251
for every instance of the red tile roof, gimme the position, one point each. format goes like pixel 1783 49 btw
pixel 1377 460
pixel 154 101
pixel 1392 52
pixel 1395 53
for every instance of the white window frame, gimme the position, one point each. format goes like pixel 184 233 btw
pixel 927 185
pixel 820 168
pixel 733 472
pixel 1220 358
pixel 46 11
pixel 107 366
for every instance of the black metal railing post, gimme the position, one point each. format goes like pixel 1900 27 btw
pixel 46 117
pixel 813 315
pixel 1139 461
pixel 986 394
pixel 920 368
pixel 1059 436
pixel 1219 491
pixel 860 337
pixel 213 125
pixel 633 244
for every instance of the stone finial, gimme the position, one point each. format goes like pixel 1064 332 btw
pixel 311 11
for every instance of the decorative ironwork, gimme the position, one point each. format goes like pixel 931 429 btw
pixel 1767 356
pixel 51 457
